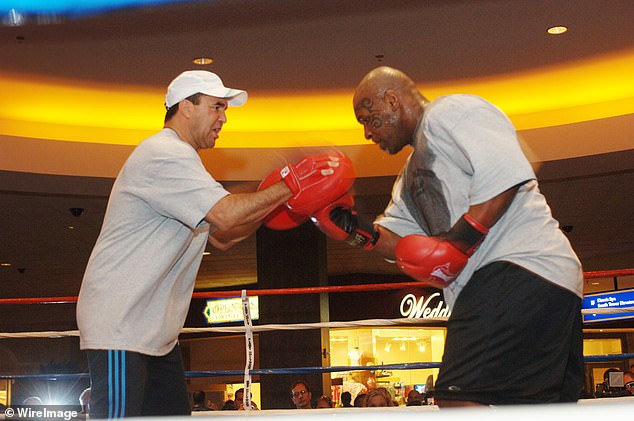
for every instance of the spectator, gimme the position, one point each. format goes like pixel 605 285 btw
pixel 323 402
pixel 229 405
pixel 239 399
pixel 346 399
pixel 199 401
pixel 613 384
pixel 378 397
pixel 414 398
pixel 301 396
pixel 359 400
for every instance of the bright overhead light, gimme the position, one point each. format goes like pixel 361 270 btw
pixel 202 60
pixel 557 30
pixel 121 115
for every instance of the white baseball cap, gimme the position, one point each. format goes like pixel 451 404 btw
pixel 192 82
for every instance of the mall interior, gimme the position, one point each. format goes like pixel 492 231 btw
pixel 82 88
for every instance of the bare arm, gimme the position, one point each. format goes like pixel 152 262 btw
pixel 486 213
pixel 224 240
pixel 236 216
pixel 387 243
pixel 489 212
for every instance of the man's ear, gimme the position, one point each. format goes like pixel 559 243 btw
pixel 185 107
pixel 392 100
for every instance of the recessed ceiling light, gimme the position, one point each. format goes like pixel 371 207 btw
pixel 202 60
pixel 557 30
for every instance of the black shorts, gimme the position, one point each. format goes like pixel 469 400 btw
pixel 512 338
pixel 129 384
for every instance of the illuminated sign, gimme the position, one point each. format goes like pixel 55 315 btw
pixel 73 7
pixel 609 300
pixel 414 308
pixel 229 310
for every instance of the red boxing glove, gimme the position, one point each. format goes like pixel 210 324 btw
pixel 317 181
pixel 340 222
pixel 432 260
pixel 438 261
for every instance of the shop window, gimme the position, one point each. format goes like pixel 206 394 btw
pixel 383 346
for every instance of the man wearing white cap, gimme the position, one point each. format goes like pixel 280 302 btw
pixel 163 208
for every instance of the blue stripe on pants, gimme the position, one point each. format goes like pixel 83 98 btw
pixel 110 397
pixel 116 384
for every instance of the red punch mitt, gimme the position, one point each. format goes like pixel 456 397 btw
pixel 281 218
pixel 317 180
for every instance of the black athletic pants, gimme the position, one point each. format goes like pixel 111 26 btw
pixel 129 384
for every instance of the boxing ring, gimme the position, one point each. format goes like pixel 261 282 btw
pixel 615 406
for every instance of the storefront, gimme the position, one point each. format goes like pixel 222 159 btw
pixel 610 333
pixel 371 345
pixel 387 345
pixel 345 347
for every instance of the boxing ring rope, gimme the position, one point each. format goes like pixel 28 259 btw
pixel 293 291
pixel 297 370
pixel 290 326
pixel 305 326
pixel 290 291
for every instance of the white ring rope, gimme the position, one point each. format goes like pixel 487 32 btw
pixel 296 326
pixel 241 329
pixel 250 352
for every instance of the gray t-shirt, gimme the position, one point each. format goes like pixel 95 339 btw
pixel 140 277
pixel 466 152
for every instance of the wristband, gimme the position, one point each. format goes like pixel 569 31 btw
pixel 467 234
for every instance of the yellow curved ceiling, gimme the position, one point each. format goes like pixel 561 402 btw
pixel 43 108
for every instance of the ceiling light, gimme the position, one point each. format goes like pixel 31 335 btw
pixel 557 30
pixel 14 18
pixel 202 60
pixel 5 264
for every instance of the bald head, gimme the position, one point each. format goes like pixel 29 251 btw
pixel 384 78
pixel 388 104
